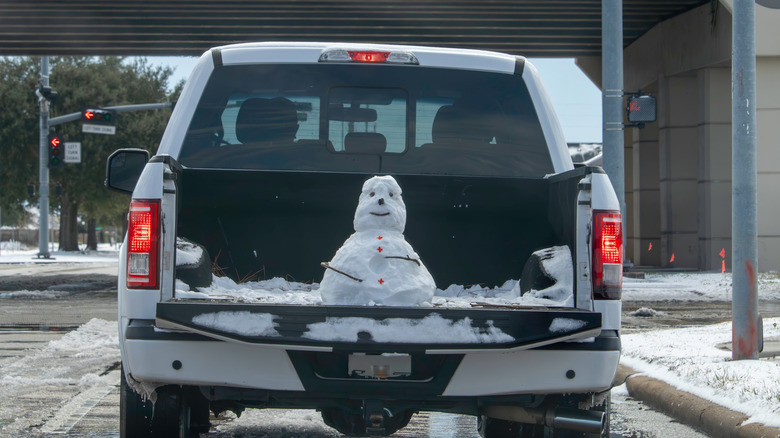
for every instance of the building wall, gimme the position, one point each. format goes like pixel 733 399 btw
pixel 646 212
pixel 714 182
pixel 768 160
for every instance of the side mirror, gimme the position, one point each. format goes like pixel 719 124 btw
pixel 124 167
pixel 641 109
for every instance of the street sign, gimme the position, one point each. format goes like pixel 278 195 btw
pixel 72 152
pixel 98 129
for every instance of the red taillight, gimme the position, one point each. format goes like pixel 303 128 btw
pixel 369 56
pixel 143 244
pixel 607 255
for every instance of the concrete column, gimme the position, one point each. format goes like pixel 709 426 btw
pixel 768 159
pixel 714 128
pixel 646 189
pixel 628 219
pixel 678 170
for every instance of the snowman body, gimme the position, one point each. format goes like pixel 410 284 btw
pixel 376 265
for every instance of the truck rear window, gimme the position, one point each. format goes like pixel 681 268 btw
pixel 368 119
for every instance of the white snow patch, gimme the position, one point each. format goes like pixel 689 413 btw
pixel 242 323
pixel 276 423
pixel 644 312
pixel 34 294
pixel 66 366
pixel 563 325
pixel 432 329
pixel 689 359
pixel 273 291
pixel 694 286
pixel 281 291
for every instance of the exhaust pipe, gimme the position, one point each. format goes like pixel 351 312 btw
pixel 563 418
pixel 581 421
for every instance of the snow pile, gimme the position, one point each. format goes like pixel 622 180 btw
pixel 432 329
pixel 64 367
pixel 644 312
pixel 242 323
pixel 273 291
pixel 376 265
pixel 276 423
pixel 281 291
pixel 690 360
pixel 557 264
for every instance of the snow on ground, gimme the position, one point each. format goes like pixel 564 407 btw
pixel 694 286
pixel 689 359
pixel 75 363
pixel 105 253
pixel 87 347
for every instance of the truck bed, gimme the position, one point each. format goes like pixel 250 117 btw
pixel 467 230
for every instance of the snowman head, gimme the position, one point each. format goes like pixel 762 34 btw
pixel 380 206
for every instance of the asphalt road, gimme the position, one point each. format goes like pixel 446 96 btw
pixel 36 309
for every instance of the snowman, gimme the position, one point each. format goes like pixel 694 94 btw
pixel 376 265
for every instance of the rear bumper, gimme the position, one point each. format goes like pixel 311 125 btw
pixel 166 357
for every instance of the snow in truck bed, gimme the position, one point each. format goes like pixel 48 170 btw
pixel 281 291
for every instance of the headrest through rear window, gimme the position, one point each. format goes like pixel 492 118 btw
pixel 267 120
pixel 365 143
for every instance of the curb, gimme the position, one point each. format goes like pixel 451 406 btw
pixel 704 415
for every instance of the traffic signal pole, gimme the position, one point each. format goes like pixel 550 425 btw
pixel 72 117
pixel 746 322
pixel 612 98
pixel 43 166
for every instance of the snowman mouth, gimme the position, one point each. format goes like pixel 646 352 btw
pixel 381 214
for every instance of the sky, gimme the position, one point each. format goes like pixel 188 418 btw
pixel 576 99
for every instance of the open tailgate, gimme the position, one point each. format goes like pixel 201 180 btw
pixel 379 329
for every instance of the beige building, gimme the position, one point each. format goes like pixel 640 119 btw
pixel 678 170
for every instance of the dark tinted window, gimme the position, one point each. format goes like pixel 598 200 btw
pixel 366 118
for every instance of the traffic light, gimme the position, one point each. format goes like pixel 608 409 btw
pixel 55 151
pixel 98 116
pixel 46 93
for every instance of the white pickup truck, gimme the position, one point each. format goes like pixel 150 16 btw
pixel 260 167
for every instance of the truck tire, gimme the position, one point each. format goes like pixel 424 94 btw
pixel 135 414
pixel 177 412
pixel 195 273
pixel 534 277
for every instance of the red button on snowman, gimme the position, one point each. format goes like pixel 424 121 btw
pixel 376 265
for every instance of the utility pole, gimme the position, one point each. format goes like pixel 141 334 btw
pixel 746 322
pixel 43 163
pixel 612 96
